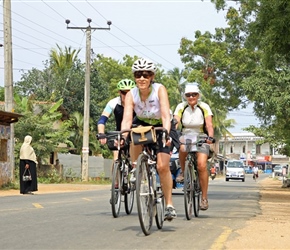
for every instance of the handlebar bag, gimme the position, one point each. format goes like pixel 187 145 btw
pixel 143 135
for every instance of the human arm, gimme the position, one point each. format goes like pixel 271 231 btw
pixel 177 115
pixel 103 120
pixel 209 127
pixel 164 108
pixel 128 113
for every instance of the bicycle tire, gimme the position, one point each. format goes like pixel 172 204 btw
pixel 144 194
pixel 160 209
pixel 129 199
pixel 116 190
pixel 196 194
pixel 188 190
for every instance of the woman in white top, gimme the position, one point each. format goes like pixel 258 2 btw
pixel 196 117
pixel 150 102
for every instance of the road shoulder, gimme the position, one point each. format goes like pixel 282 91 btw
pixel 271 228
pixel 57 188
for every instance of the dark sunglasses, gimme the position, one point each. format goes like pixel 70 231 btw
pixel 145 74
pixel 191 94
pixel 124 92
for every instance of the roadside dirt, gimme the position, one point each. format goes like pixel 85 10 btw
pixel 271 228
pixel 268 230
pixel 57 188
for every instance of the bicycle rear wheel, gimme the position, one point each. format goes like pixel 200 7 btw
pixel 188 190
pixel 129 199
pixel 116 189
pixel 196 194
pixel 144 194
pixel 160 206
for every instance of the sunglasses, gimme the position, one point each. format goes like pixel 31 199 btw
pixel 145 74
pixel 124 92
pixel 191 94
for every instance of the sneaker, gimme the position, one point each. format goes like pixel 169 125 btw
pixel 204 204
pixel 180 177
pixel 170 213
pixel 133 177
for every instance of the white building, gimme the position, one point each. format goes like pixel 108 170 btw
pixel 244 146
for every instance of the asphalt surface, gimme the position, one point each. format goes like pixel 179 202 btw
pixel 82 219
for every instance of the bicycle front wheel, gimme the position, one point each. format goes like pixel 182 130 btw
pixel 160 206
pixel 116 189
pixel 144 194
pixel 196 194
pixel 188 190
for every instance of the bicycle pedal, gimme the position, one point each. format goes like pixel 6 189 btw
pixel 150 162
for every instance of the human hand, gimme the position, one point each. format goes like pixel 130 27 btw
pixel 168 141
pixel 210 140
pixel 102 138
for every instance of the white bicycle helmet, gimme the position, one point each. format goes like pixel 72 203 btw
pixel 142 64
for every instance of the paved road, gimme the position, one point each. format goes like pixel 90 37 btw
pixel 83 220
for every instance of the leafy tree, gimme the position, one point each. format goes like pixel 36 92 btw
pixel 2 97
pixel 174 82
pixel 265 33
pixel 76 135
pixel 40 121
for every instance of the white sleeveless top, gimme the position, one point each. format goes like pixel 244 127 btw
pixel 148 111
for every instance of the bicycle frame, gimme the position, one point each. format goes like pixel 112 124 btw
pixel 192 190
pixel 121 185
pixel 150 200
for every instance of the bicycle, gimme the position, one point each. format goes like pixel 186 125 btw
pixel 149 196
pixel 121 185
pixel 192 189
pixel 255 176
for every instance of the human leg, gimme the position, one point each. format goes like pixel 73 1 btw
pixel 166 183
pixel 182 157
pixel 203 178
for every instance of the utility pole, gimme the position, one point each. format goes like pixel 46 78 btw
pixel 86 128
pixel 8 75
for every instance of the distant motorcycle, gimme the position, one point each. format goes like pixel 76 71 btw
pixel 212 173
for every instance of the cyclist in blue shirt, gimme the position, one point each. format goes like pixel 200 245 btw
pixel 115 106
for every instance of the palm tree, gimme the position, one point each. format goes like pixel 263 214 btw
pixel 76 136
pixel 62 61
pixel 176 87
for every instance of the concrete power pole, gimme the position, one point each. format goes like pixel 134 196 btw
pixel 8 75
pixel 86 132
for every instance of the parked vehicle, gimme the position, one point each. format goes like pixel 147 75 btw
pixel 235 170
pixel 278 169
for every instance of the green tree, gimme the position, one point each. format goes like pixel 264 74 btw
pixel 2 97
pixel 263 29
pixel 41 122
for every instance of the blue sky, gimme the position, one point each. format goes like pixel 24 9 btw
pixel 151 29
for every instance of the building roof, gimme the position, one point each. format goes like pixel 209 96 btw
pixel 7 118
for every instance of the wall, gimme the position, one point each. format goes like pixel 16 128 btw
pixel 98 166
pixel 4 154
